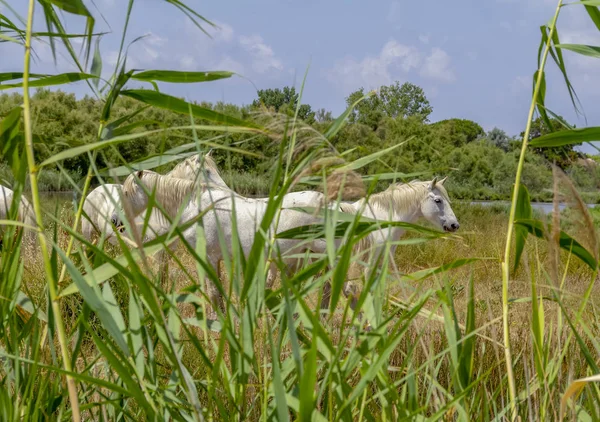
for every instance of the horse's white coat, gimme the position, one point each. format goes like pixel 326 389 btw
pixel 102 203
pixel 191 199
pixel 25 213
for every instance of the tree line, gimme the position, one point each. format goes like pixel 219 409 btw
pixel 481 164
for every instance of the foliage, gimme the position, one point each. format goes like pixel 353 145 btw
pixel 459 131
pixel 284 101
pixel 499 138
pixel 562 156
pixel 480 165
pixel 96 332
pixel 393 101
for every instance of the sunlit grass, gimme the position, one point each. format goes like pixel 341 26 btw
pixel 92 331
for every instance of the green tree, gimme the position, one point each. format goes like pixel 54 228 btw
pixel 393 101
pixel 562 156
pixel 284 101
pixel 458 132
pixel 499 138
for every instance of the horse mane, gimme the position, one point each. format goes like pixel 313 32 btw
pixel 402 197
pixel 193 168
pixel 168 191
pixel 347 207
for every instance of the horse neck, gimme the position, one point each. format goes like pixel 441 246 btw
pixel 168 202
pixel 380 206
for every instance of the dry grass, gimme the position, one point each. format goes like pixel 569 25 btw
pixel 425 342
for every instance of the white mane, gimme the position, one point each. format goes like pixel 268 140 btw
pixel 403 197
pixel 201 167
pixel 169 192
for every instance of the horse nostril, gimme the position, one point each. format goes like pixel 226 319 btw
pixel 455 226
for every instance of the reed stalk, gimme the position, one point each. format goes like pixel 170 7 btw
pixel 33 171
pixel 511 219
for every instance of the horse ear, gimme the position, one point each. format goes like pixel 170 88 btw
pixel 208 154
pixel 140 173
pixel 433 183
pixel 441 182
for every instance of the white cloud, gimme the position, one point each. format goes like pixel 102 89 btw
pixel 227 63
pixel 263 57
pixel 437 66
pixel 374 71
pixel 221 33
pixel 187 62
pixel 507 26
pixel 424 38
pixel 394 62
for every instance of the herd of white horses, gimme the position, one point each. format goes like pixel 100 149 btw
pixel 195 186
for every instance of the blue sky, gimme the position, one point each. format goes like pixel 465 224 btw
pixel 474 59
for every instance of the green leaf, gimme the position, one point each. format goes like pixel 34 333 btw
pixel 175 76
pixel 107 270
pixel 25 303
pixel 361 162
pixel 96 68
pixel 567 137
pixel 586 2
pixel 75 7
pixel 277 385
pixel 168 102
pixel 422 274
pixel 96 302
pixel 540 100
pixel 586 50
pixel 594 14
pixel 107 133
pixel 73 152
pixel 337 125
pixel 566 242
pixel 123 130
pixel 135 332
pixel 120 82
pixel 8 76
pixel 61 79
pixel 523 212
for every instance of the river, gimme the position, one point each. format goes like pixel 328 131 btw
pixel 546 207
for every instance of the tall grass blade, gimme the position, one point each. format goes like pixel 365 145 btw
pixel 177 105
pixel 176 76
pixel 523 212
pixel 566 242
pixel 60 79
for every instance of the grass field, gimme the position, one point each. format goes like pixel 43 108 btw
pixel 498 321
pixel 422 364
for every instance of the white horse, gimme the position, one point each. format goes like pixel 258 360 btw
pixel 192 198
pixel 400 202
pixel 25 213
pixel 102 202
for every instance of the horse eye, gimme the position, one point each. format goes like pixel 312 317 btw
pixel 438 200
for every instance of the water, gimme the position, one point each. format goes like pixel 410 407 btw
pixel 546 207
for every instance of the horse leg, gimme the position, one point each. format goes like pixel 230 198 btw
pixel 326 298
pixel 271 275
pixel 214 295
pixel 352 293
